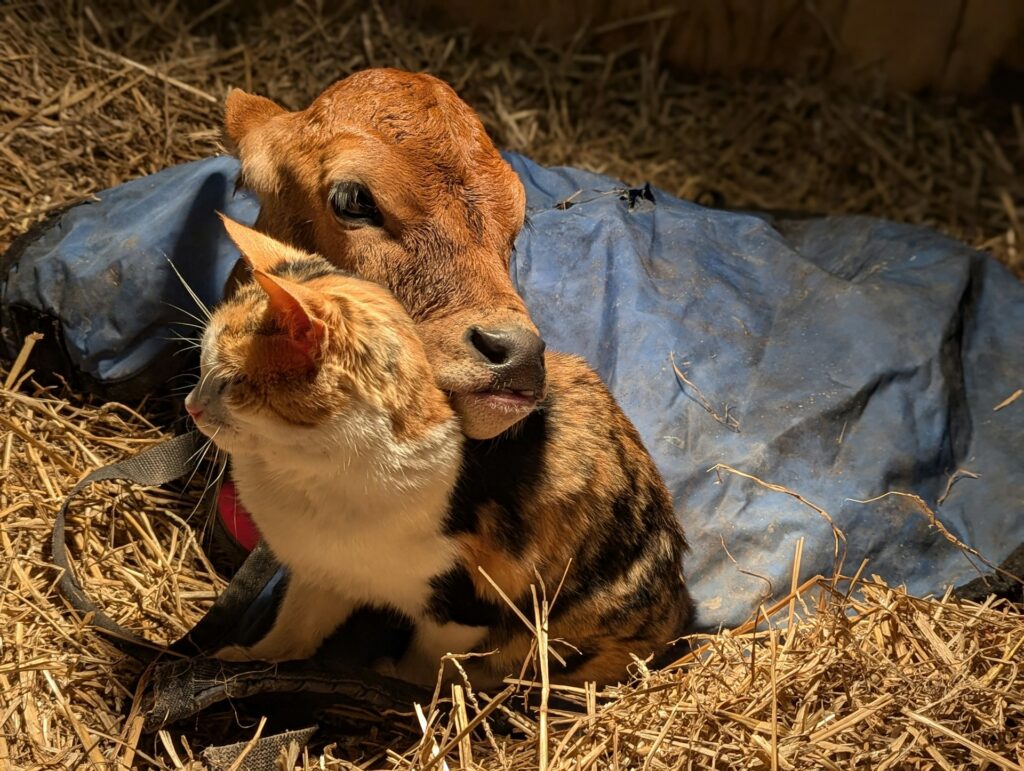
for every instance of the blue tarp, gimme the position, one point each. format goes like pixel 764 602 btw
pixel 842 358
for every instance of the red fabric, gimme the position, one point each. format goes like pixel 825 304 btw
pixel 235 518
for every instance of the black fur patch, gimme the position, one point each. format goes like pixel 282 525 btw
pixel 370 633
pixel 500 471
pixel 306 269
pixel 454 599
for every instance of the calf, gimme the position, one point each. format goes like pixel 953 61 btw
pixel 391 176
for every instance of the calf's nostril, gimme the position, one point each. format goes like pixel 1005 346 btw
pixel 494 345
pixel 515 355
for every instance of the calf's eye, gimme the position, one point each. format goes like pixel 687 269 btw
pixel 353 204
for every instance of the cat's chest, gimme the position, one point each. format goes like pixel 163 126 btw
pixel 372 548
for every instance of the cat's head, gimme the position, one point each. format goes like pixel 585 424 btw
pixel 309 358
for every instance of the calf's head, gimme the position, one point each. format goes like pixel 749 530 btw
pixel 390 175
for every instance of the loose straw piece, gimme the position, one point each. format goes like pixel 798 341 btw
pixel 540 612
pixel 838 535
pixel 89 744
pixel 935 522
pixel 976 749
pixel 428 735
pixel 1009 400
pixel 22 357
pixel 237 763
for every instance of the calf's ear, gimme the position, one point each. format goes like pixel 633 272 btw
pixel 244 113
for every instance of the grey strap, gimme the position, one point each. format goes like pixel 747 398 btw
pixel 183 688
pixel 190 681
pixel 269 752
pixel 156 465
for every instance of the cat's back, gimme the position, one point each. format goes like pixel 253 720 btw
pixel 573 491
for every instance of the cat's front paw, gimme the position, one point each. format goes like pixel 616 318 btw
pixel 235 653
pixel 385 666
pixel 263 651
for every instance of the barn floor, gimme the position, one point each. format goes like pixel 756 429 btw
pixel 871 678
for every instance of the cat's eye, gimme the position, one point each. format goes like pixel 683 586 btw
pixel 227 383
pixel 353 204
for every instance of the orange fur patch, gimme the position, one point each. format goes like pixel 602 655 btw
pixel 513 576
pixel 304 348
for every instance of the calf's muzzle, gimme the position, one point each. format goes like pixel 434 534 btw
pixel 514 355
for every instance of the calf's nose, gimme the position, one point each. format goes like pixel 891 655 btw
pixel 514 354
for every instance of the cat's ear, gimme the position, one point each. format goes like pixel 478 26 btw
pixel 260 251
pixel 297 309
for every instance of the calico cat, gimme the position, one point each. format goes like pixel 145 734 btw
pixel 356 472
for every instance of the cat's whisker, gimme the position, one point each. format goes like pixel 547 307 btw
pixel 192 377
pixel 188 288
pixel 202 449
pixel 201 322
pixel 189 343
pixel 200 327
pixel 176 335
pixel 212 481
pixel 213 371
pixel 199 463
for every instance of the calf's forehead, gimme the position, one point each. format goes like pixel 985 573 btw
pixel 448 195
pixel 393 100
pixel 421 118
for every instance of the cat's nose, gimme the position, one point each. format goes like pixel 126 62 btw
pixel 192 406
pixel 514 354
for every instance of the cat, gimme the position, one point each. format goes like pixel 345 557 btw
pixel 354 468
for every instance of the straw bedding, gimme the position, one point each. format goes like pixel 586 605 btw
pixel 838 674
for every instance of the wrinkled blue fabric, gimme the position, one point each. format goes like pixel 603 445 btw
pixel 841 358
pixel 105 267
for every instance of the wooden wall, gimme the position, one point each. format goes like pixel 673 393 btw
pixel 948 45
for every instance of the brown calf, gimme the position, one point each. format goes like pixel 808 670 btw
pixel 392 176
